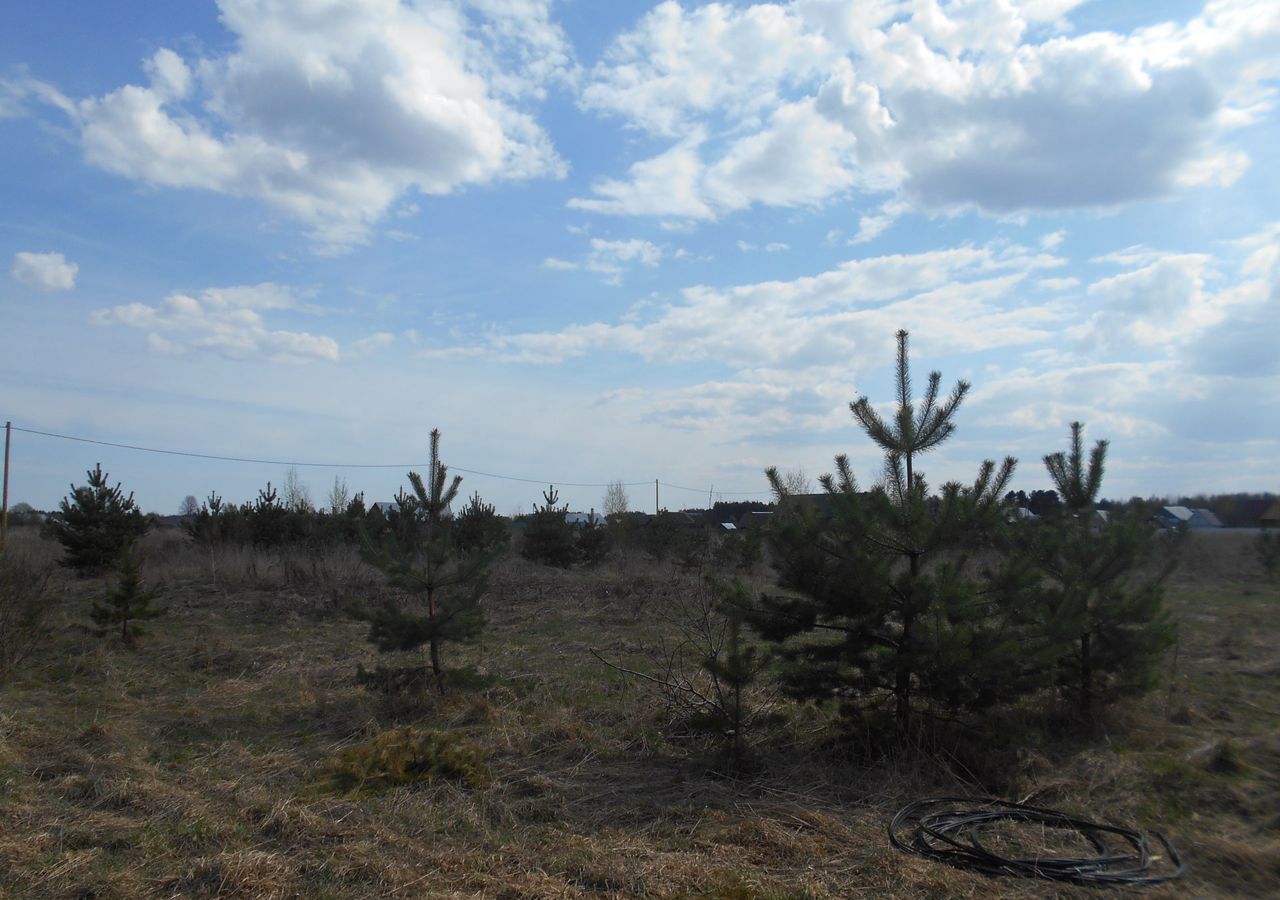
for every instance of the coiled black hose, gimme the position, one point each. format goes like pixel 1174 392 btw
pixel 947 829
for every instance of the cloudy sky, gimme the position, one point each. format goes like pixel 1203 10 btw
pixel 594 241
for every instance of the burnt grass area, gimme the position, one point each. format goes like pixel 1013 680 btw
pixel 193 764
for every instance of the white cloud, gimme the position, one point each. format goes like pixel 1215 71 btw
pixel 948 298
pixel 993 105
pixel 611 258
pixel 676 65
pixel 665 185
pixel 871 227
pixel 1058 284
pixel 1221 169
pixel 44 271
pixel 330 114
pixel 1158 304
pixel 227 321
pixel 374 342
pixel 1053 240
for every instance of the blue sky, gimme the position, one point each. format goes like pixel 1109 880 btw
pixel 633 241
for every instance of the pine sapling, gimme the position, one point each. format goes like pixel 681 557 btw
pixel 1103 602
pixel 97 524
pixel 126 604
pixel 418 555
pixel 880 604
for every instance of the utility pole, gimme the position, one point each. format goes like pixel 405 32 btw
pixel 656 508
pixel 4 509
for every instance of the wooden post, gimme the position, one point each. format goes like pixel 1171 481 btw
pixel 4 509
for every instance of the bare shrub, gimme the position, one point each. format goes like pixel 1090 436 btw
pixel 26 600
pixel 706 671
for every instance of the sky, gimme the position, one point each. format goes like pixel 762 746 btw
pixel 633 241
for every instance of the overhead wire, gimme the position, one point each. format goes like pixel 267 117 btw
pixel 334 465
pixel 680 487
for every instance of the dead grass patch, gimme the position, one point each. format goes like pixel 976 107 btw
pixel 184 768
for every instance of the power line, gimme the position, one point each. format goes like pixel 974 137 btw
pixel 327 465
pixel 680 487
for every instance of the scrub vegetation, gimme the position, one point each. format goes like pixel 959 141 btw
pixel 231 753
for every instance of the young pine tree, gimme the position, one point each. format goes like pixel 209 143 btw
pixel 417 554
pixel 1102 606
pixel 479 528
pixel 548 537
pixel 126 604
pixel 882 602
pixel 97 525
pixel 733 666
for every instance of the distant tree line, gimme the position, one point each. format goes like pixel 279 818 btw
pixel 1241 510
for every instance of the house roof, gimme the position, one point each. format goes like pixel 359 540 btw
pixel 820 503
pixel 1206 517
pixel 1272 515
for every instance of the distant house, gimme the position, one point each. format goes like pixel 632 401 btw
pixel 1175 516
pixel 755 519
pixel 1271 518
pixel 683 519
pixel 818 503
pixel 584 519
pixel 1205 518
pixel 1021 514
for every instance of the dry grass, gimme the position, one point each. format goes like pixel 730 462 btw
pixel 190 767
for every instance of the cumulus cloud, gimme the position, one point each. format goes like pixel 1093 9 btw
pixel 227 321
pixel 996 106
pixel 676 66
pixel 1242 344
pixel 1157 304
pixel 44 271
pixel 329 113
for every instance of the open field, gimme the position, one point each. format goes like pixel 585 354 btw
pixel 191 767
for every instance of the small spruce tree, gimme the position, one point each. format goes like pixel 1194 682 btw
pixel 417 553
pixel 126 604
pixel 97 525
pixel 1102 605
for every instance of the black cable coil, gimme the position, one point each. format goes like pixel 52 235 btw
pixel 947 829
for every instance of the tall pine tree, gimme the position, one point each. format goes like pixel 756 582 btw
pixel 884 602
pixel 1102 607
pixel 417 554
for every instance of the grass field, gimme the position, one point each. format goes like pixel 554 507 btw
pixel 192 766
